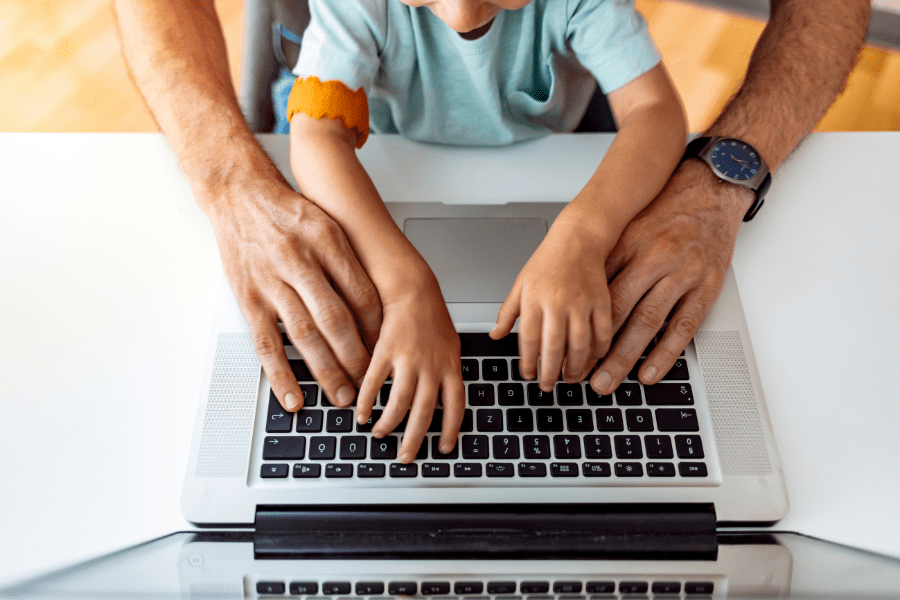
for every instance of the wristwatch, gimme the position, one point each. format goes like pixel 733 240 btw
pixel 733 161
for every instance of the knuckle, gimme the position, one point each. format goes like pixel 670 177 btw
pixel 267 344
pixel 649 317
pixel 684 326
pixel 617 301
pixel 335 318
pixel 303 331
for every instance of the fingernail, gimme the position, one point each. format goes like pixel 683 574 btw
pixel 649 373
pixel 602 381
pixel 346 396
pixel 361 419
pixel 292 401
pixel 446 449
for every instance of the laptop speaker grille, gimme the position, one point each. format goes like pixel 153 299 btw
pixel 230 408
pixel 740 441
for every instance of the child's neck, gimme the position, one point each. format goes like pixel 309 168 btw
pixel 477 33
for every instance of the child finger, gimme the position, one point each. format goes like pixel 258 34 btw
pixel 553 345
pixel 529 339
pixel 419 419
pixel 376 374
pixel 508 313
pixel 454 400
pixel 578 347
pixel 402 390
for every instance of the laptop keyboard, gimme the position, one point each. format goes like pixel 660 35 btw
pixel 511 429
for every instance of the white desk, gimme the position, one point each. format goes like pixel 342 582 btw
pixel 107 268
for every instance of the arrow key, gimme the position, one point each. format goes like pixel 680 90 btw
pixel 284 447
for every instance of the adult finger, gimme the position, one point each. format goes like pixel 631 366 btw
pixel 402 390
pixel 454 400
pixel 645 321
pixel 578 349
pixel 419 419
pixel 305 335
pixel 629 286
pixel 529 339
pixel 269 347
pixel 358 291
pixel 681 329
pixel 553 346
pixel 335 324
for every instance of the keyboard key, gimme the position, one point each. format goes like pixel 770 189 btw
pixel 567 587
pixel 597 446
pixel 669 393
pixel 308 588
pixel 536 446
pixel 384 394
pixel 422 452
pixel 698 587
pixel 689 446
pixel 692 469
pixel 531 469
pixel 401 470
pixel 437 420
pixel 501 587
pixel 595 399
pixel 628 446
pixel 489 419
pixel 628 394
pixel 367 426
pixel 510 394
pixel 273 471
pixel 321 447
pixel 284 447
pixel 566 469
pixel 470 369
pixel 481 394
pixel 629 469
pixel 538 397
pixel 516 375
pixel 659 469
pixel 569 394
pixel 369 588
pixel 353 447
pixel 269 587
pixel 666 587
pixel 579 419
pixel 520 419
pixel 549 419
pixel 468 423
pixel 534 587
pixel 505 446
pixel 610 419
pixel 331 588
pixel 309 420
pixel 370 470
pixel 384 449
pixel 592 469
pixel 475 446
pixel 566 446
pixel 601 587
pixel 468 587
pixel 633 587
pixel 310 393
pixel 479 344
pixel 678 372
pixel 278 420
pixel 467 470
pixel 338 470
pixel 307 471
pixel 436 451
pixel 639 419
pixel 403 588
pixel 436 470
pixel 494 369
pixel 430 588
pixel 658 446
pixel 677 419
pixel 301 371
pixel 499 469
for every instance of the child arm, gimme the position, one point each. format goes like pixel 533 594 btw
pixel 561 294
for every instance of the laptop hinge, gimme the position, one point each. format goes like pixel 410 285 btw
pixel 622 531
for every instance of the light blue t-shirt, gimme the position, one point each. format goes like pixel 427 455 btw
pixel 531 74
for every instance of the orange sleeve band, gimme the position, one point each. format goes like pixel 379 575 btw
pixel 331 99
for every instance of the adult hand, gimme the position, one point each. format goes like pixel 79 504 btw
pixel 674 252
pixel 287 260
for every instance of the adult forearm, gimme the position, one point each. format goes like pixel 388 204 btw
pixel 799 65
pixel 176 53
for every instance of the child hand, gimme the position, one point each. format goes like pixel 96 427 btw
pixel 563 301
pixel 420 348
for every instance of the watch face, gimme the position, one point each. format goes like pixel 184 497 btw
pixel 735 159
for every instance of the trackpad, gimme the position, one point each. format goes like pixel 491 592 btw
pixel 476 260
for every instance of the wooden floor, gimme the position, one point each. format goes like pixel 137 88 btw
pixel 61 67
